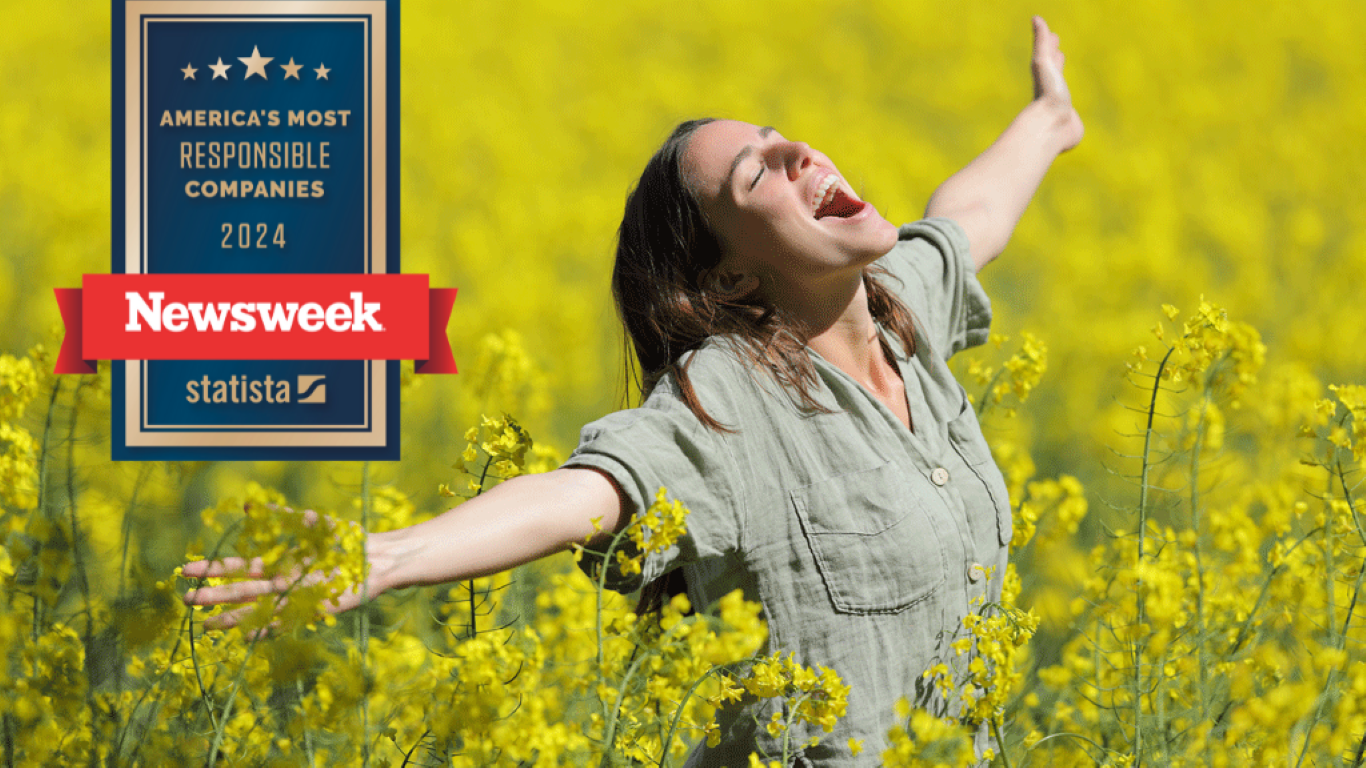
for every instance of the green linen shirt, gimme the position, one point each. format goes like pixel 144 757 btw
pixel 864 541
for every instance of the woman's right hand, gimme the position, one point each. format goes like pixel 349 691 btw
pixel 256 582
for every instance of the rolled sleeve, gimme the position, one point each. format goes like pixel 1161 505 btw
pixel 938 283
pixel 662 444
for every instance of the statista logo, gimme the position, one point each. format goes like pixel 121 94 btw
pixel 312 389
pixel 244 389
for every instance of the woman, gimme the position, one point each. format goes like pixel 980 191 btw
pixel 793 344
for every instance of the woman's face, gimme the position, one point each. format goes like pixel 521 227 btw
pixel 779 207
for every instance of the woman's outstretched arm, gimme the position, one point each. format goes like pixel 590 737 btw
pixel 518 521
pixel 988 196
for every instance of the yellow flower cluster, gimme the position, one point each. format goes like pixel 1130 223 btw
pixel 1353 401
pixel 504 443
pixel 926 741
pixel 810 696
pixel 979 682
pixel 1016 376
pixel 1206 338
pixel 655 531
pixel 992 647
pixel 20 382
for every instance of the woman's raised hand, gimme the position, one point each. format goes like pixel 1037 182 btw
pixel 325 558
pixel 1050 87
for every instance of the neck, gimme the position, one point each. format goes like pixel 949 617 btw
pixel 840 328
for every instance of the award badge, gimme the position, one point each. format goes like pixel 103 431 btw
pixel 255 307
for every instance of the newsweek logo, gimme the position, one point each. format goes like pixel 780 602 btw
pixel 359 316
pixel 262 317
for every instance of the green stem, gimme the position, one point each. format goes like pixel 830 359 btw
pixel 241 672
pixel 232 698
pixel 985 404
pixel 408 756
pixel 1203 681
pixel 473 630
pixel 82 579
pixel 126 535
pixel 1341 640
pixel 609 742
pixel 602 584
pixel 1138 582
pixel 1328 557
pixel 189 616
pixel 1000 741
pixel 43 496
pixel 793 706
pixel 308 734
pixel 1077 736
pixel 363 625
pixel 678 714
pixel 473 627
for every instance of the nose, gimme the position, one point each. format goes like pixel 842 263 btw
pixel 798 157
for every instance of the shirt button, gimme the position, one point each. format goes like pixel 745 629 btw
pixel 976 572
pixel 940 476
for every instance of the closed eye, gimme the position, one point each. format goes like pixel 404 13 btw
pixel 757 176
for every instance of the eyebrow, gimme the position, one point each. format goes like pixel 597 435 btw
pixel 742 154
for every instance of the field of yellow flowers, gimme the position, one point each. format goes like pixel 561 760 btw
pixel 1174 395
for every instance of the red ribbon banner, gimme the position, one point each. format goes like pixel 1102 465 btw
pixel 255 317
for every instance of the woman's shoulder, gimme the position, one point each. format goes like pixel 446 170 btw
pixel 943 232
pixel 724 378
pixel 924 249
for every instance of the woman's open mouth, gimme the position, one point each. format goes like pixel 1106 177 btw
pixel 832 200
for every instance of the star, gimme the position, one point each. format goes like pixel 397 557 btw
pixel 292 69
pixel 321 70
pixel 256 63
pixel 189 71
pixel 220 69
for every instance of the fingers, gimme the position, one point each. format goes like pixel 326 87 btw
pixel 236 592
pixel 1047 64
pixel 228 566
pixel 1046 42
pixel 257 582
pixel 230 619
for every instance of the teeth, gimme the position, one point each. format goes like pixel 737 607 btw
pixel 825 192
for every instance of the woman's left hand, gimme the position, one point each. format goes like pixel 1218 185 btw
pixel 1050 88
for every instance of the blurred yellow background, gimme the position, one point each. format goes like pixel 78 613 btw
pixel 1224 156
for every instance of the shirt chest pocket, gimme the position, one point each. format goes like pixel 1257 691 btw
pixel 984 493
pixel 872 540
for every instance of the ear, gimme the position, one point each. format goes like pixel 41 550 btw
pixel 729 284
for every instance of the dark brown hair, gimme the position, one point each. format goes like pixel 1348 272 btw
pixel 664 249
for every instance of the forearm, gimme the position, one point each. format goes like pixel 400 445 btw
pixel 518 521
pixel 988 196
